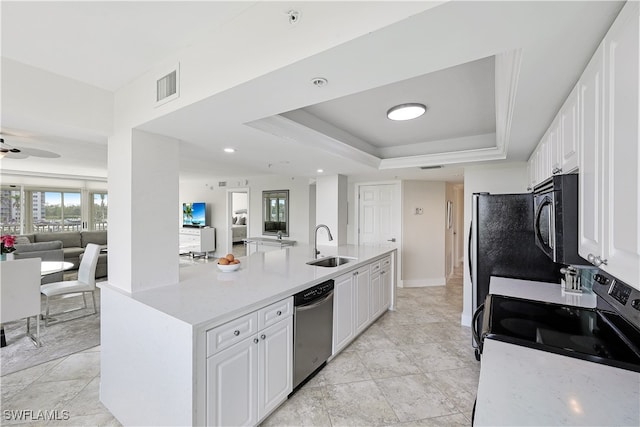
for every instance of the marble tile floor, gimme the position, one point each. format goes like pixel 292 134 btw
pixel 412 367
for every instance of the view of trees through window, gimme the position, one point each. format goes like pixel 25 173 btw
pixel 51 211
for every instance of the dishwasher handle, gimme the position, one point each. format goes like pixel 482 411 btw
pixel 314 304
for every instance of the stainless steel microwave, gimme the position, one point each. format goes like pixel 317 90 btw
pixel 556 219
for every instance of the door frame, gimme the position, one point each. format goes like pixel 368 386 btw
pixel 400 230
pixel 229 211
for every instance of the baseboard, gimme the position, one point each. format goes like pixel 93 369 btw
pixel 465 320
pixel 419 283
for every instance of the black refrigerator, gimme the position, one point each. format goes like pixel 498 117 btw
pixel 502 243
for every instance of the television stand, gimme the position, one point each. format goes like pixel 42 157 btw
pixel 197 241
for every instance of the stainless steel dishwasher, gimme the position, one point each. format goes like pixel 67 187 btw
pixel 312 331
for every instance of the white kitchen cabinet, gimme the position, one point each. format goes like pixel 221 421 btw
pixel 375 300
pixel 363 295
pixel 232 384
pixel 343 311
pixel 385 279
pixel 360 297
pixel 568 140
pixel 610 155
pixel 197 240
pixel 591 102
pixel 555 148
pixel 250 373
pixel 558 150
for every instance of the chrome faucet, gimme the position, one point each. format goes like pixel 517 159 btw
pixel 279 235
pixel 315 240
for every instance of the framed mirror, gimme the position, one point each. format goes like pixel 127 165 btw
pixel 275 212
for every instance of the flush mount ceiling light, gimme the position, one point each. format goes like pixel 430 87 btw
pixel 229 150
pixel 320 170
pixel 406 111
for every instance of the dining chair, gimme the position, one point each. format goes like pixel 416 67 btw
pixel 20 293
pixel 86 282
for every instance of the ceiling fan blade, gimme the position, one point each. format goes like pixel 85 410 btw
pixel 12 155
pixel 39 153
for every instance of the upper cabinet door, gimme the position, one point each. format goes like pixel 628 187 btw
pixel 621 179
pixel 591 110
pixel 568 139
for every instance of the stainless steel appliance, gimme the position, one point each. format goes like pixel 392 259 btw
pixel 556 219
pixel 312 331
pixel 502 243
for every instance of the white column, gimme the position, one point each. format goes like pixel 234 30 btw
pixel 143 195
pixel 331 208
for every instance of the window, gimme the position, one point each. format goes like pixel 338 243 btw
pixel 56 211
pixel 99 211
pixel 37 210
pixel 10 211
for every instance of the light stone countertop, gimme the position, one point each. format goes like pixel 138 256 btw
pixel 520 386
pixel 540 291
pixel 206 296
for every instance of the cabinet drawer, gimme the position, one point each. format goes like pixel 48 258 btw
pixel 230 333
pixel 375 267
pixel 275 312
pixel 386 263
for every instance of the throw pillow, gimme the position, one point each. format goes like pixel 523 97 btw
pixel 234 219
pixel 242 221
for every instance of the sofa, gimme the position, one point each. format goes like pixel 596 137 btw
pixel 73 244
pixel 46 251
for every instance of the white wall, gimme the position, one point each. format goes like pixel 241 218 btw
pixel 423 235
pixel 494 178
pixel 331 209
pixel 239 201
pixel 216 199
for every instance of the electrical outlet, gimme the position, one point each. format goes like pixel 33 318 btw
pixel 419 211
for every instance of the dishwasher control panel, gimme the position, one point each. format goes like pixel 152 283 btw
pixel 313 293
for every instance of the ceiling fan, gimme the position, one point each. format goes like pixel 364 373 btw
pixel 11 152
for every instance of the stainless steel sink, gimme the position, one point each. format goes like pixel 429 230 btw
pixel 332 261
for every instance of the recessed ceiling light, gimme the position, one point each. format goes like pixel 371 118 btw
pixel 406 111
pixel 320 170
pixel 319 81
pixel 229 150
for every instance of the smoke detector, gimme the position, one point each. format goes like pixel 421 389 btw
pixel 294 16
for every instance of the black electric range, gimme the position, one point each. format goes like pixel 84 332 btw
pixel 608 334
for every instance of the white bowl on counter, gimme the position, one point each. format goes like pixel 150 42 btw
pixel 228 268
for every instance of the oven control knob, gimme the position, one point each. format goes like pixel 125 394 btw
pixel 636 304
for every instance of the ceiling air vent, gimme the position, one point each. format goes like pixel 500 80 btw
pixel 167 86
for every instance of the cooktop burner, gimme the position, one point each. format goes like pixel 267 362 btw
pixel 584 333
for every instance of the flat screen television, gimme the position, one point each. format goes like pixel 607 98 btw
pixel 194 214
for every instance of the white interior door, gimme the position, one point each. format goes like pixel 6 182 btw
pixel 380 218
pixel 379 214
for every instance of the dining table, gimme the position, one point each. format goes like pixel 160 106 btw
pixel 46 268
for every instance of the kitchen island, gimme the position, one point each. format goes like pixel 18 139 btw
pixel 158 346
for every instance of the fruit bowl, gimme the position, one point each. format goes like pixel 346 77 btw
pixel 228 267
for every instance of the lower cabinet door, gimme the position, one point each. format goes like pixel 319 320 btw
pixel 385 279
pixel 343 312
pixel 275 365
pixel 232 385
pixel 376 296
pixel 363 297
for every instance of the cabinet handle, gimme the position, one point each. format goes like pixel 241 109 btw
pixel 255 340
pixel 279 313
pixel 236 332
pixel 263 336
pixel 599 261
